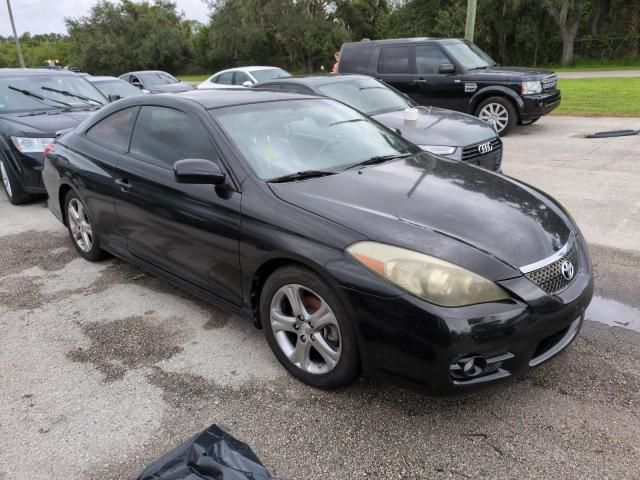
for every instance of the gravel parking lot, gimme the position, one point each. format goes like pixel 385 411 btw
pixel 103 367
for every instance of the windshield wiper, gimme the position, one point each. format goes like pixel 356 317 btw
pixel 301 176
pixel 379 159
pixel 67 93
pixel 353 120
pixel 29 93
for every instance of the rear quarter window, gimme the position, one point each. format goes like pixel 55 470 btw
pixel 114 130
pixel 394 60
pixel 355 57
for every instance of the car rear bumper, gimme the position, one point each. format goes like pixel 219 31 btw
pixel 428 347
pixel 538 105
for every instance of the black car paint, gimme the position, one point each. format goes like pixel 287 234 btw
pixel 36 123
pixel 462 90
pixel 220 242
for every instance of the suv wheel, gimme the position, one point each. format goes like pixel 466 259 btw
pixel 307 328
pixel 499 113
pixel 12 188
pixel 80 228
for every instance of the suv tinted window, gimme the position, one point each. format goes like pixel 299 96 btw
pixel 163 135
pixel 115 130
pixel 394 60
pixel 429 58
pixel 224 78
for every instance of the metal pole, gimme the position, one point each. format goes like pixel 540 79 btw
pixel 470 28
pixel 15 35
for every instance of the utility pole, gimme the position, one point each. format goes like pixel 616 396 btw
pixel 469 30
pixel 15 35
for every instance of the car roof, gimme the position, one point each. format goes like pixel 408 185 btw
pixel 33 72
pixel 391 41
pixel 314 80
pixel 232 96
pixel 99 78
pixel 248 69
pixel 145 71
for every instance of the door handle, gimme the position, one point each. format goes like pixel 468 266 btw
pixel 420 80
pixel 123 183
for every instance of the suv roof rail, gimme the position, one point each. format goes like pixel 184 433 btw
pixel 365 40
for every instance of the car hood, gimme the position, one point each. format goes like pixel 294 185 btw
pixel 437 206
pixel 170 88
pixel 46 124
pixel 511 72
pixel 438 126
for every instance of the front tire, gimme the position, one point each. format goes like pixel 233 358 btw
pixel 13 189
pixel 307 328
pixel 498 112
pixel 80 228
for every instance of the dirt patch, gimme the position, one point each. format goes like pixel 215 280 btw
pixel 22 293
pixel 125 344
pixel 47 250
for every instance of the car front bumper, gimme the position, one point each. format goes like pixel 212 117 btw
pixel 27 168
pixel 428 347
pixel 536 106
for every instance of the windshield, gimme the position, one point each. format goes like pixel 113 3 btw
pixel 469 55
pixel 14 101
pixel 285 137
pixel 367 95
pixel 117 87
pixel 269 74
pixel 156 78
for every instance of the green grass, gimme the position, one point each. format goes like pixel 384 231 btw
pixel 194 78
pixel 600 97
pixel 586 64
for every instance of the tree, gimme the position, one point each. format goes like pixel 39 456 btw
pixel 567 15
pixel 119 36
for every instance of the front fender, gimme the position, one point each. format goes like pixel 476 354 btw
pixel 496 91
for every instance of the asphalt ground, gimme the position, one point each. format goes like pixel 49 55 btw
pixel 103 368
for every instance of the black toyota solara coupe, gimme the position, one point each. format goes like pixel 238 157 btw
pixel 352 248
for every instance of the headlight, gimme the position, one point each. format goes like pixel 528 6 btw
pixel 439 149
pixel 31 145
pixel 429 278
pixel 533 87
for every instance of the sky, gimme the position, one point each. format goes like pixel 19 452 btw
pixel 46 16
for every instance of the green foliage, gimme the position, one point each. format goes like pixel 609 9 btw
pixel 117 37
pixel 36 50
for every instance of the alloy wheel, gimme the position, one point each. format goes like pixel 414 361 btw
pixel 80 225
pixel 305 329
pixel 5 179
pixel 495 115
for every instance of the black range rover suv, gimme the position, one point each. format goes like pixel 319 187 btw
pixel 456 74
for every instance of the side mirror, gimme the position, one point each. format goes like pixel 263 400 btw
pixel 136 83
pixel 198 171
pixel 113 97
pixel 447 69
pixel 247 83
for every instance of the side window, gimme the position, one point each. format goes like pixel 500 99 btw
pixel 163 136
pixel 115 130
pixel 133 79
pixel 224 78
pixel 429 58
pixel 394 60
pixel 240 78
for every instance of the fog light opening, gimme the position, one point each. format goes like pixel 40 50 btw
pixel 471 366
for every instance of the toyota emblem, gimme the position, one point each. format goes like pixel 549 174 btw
pixel 567 270
pixel 484 148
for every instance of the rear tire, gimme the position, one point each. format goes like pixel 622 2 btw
pixel 13 189
pixel 80 228
pixel 499 112
pixel 311 335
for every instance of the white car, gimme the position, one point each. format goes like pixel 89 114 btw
pixel 242 77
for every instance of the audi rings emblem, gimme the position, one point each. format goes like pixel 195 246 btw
pixel 485 148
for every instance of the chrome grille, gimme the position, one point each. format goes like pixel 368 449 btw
pixel 550 279
pixel 549 82
pixel 492 160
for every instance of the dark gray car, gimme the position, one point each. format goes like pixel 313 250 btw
pixel 444 132
pixel 155 81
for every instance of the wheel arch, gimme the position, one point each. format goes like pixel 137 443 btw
pixel 63 191
pixel 496 91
